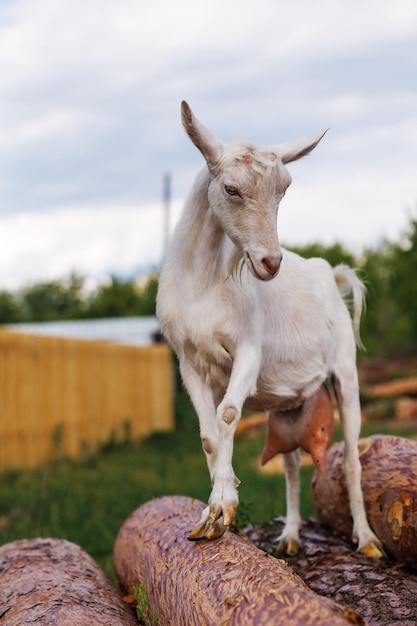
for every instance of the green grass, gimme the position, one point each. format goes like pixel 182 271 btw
pixel 87 501
pixel 145 615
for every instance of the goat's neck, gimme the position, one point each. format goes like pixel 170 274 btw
pixel 201 238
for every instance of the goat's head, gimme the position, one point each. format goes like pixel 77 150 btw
pixel 247 184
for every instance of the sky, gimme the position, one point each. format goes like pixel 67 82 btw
pixel 90 94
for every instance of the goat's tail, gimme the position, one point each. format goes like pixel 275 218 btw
pixel 348 282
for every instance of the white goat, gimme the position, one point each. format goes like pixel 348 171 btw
pixel 246 341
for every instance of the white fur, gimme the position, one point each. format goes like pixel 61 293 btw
pixel 253 325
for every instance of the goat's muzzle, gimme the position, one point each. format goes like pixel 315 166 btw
pixel 267 268
pixel 272 264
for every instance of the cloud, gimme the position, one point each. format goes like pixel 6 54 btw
pixel 89 115
pixel 352 214
pixel 91 241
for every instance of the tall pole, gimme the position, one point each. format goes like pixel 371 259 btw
pixel 167 210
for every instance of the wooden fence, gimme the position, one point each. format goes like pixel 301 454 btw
pixel 65 397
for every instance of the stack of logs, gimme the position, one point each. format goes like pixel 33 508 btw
pixel 231 581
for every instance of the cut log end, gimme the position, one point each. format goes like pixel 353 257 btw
pixel 389 485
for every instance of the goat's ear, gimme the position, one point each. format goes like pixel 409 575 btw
pixel 210 147
pixel 294 150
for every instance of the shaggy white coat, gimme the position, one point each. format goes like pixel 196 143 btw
pixel 254 325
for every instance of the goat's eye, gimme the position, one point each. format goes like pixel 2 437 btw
pixel 232 191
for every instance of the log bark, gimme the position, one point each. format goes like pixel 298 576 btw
pixel 52 581
pixel 383 593
pixel 389 485
pixel 217 583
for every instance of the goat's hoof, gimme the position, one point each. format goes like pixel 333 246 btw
pixel 289 547
pixel 213 523
pixel 229 514
pixel 373 550
pixel 216 530
pixel 199 532
pixel 214 514
pixel 204 530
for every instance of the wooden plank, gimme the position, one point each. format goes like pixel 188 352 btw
pixel 161 386
pixel 62 397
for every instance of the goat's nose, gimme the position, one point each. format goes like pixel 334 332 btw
pixel 272 263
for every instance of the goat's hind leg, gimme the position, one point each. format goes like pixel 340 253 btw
pixel 347 395
pixel 289 539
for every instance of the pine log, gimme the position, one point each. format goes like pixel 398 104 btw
pixel 251 424
pixel 389 485
pixel 383 593
pixel 217 583
pixel 401 387
pixel 52 581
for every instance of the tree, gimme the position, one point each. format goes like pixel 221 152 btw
pixel 148 296
pixel 334 254
pixel 118 298
pixel 9 308
pixel 52 300
pixel 379 319
pixel 403 285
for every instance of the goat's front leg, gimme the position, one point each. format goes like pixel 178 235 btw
pixel 223 501
pixel 202 398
